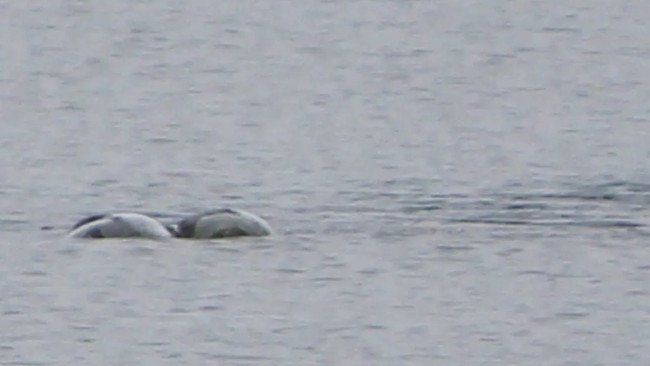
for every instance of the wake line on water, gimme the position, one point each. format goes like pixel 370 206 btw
pixel 594 224
pixel 609 205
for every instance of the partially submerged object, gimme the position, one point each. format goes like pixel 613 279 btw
pixel 222 223
pixel 120 225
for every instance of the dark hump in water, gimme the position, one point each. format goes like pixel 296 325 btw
pixel 88 219
pixel 187 225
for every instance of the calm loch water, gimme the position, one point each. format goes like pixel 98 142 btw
pixel 452 183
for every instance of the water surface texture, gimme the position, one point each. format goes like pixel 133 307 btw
pixel 451 182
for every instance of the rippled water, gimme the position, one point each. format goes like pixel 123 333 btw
pixel 455 182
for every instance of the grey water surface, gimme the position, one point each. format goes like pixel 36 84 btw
pixel 451 182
